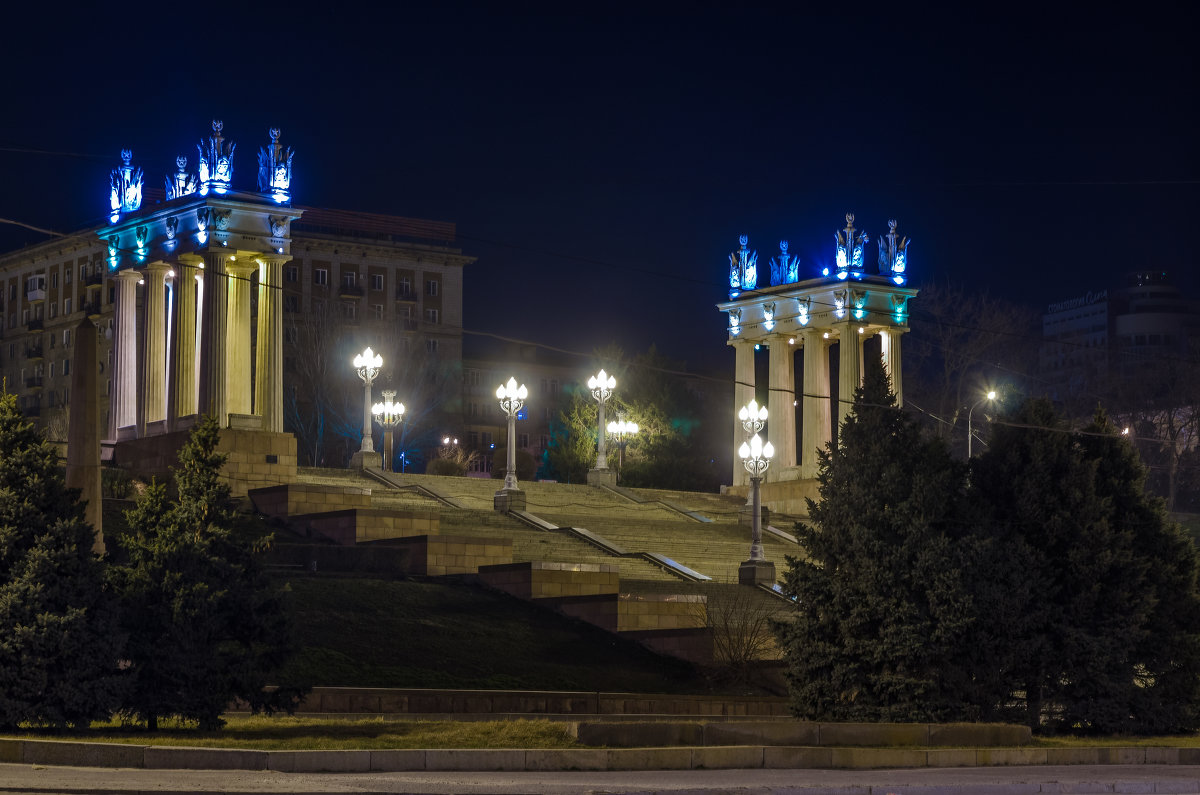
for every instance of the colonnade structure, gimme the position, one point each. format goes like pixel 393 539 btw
pixel 844 305
pixel 196 345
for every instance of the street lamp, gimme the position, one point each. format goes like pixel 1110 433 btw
pixel 368 363
pixel 511 397
pixel 753 416
pixel 602 386
pixel 756 457
pixel 621 429
pixel 388 414
pixel 991 395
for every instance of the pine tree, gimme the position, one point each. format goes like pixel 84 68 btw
pixel 882 608
pixel 205 624
pixel 59 643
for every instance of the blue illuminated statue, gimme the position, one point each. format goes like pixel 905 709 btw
pixel 743 268
pixel 275 169
pixel 216 162
pixel 126 193
pixel 893 255
pixel 785 269
pixel 850 250
pixel 181 183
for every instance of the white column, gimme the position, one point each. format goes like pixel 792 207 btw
pixel 239 389
pixel 890 342
pixel 123 401
pixel 154 349
pixel 268 363
pixel 849 368
pixel 781 406
pixel 213 340
pixel 815 428
pixel 184 323
pixel 743 393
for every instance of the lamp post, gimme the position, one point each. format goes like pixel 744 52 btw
pixel 388 414
pixel 602 385
pixel 511 397
pixel 756 457
pixel 991 395
pixel 368 363
pixel 621 429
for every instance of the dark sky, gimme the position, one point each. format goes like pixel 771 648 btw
pixel 601 165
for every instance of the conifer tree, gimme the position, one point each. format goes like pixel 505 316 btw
pixel 882 608
pixel 206 626
pixel 58 636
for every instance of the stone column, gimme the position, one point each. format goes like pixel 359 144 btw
pixel 238 387
pixel 154 349
pixel 213 339
pixel 849 368
pixel 890 342
pixel 83 430
pixel 268 364
pixel 182 381
pixel 814 428
pixel 781 406
pixel 123 401
pixel 743 393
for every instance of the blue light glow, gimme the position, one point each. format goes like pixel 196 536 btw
pixel 839 304
pixel 521 414
pixel 743 268
pixel 802 311
pixel 735 321
pixel 769 316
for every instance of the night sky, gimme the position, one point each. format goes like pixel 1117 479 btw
pixel 602 165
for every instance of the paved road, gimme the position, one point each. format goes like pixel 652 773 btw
pixel 1179 780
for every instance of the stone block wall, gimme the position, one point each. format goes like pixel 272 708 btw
pixel 355 525
pixel 661 611
pixel 253 458
pixel 545 580
pixel 294 499
pixel 448 554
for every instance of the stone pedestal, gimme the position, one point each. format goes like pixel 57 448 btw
pixel 602 477
pixel 746 515
pixel 366 460
pixel 509 500
pixel 756 572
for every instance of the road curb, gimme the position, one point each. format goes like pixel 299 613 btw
pixel 83 754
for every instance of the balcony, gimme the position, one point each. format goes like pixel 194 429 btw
pixel 33 352
pixel 91 309
pixel 34 382
pixel 94 280
pixel 35 295
pixel 36 324
pixel 405 294
pixel 351 291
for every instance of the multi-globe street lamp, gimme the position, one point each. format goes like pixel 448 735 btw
pixel 368 363
pixel 756 457
pixel 512 398
pixel 621 429
pixel 990 396
pixel 602 385
pixel 388 414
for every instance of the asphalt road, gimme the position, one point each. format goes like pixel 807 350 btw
pixel 1179 780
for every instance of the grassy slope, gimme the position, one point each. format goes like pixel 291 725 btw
pixel 415 633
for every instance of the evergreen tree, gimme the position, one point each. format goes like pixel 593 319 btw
pixel 1091 590
pixel 58 637
pixel 205 624
pixel 882 606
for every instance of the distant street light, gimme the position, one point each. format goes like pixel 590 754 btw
pixel 621 429
pixel 368 363
pixel 511 397
pixel 388 414
pixel 602 386
pixel 991 395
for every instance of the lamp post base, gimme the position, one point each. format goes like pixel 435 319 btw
pixel 508 500
pixel 366 459
pixel 602 477
pixel 756 572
